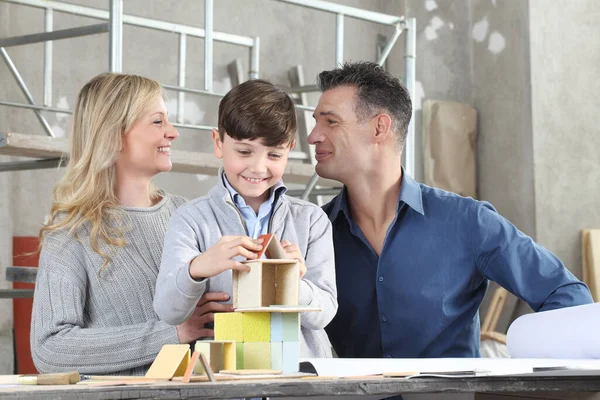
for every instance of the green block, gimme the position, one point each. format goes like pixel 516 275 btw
pixel 291 327
pixel 239 355
pixel 277 355
pixel 257 355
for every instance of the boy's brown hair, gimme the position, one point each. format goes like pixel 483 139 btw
pixel 258 109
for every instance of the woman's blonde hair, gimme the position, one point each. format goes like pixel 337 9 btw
pixel 108 106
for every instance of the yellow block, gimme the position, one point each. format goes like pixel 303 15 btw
pixel 257 355
pixel 172 360
pixel 229 362
pixel 257 327
pixel 228 326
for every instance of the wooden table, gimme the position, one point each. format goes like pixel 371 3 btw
pixel 579 385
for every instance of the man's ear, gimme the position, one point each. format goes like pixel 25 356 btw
pixel 383 127
pixel 218 144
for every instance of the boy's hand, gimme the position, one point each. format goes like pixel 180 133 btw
pixel 293 252
pixel 194 327
pixel 218 258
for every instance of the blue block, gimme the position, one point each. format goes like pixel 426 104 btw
pixel 276 327
pixel 291 357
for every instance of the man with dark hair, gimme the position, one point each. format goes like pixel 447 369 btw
pixel 413 262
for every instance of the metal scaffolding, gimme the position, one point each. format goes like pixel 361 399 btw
pixel 116 19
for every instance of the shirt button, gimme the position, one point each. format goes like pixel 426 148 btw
pixel 381 279
pixel 384 319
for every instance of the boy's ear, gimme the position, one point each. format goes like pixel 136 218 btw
pixel 218 143
pixel 292 144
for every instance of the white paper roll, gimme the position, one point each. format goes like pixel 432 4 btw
pixel 572 332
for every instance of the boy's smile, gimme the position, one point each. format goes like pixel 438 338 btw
pixel 251 168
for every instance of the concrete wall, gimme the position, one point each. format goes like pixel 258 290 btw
pixel 499 36
pixel 6 319
pixel 289 35
pixel 565 85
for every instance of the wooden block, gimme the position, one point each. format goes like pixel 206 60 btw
pixel 276 327
pixel 213 352
pixel 277 355
pixel 288 285
pixel 200 349
pixel 291 357
pixel 269 285
pixel 398 374
pixel 274 250
pixel 172 360
pixel 290 327
pixel 191 367
pixel 280 309
pixel 257 327
pixel 253 372
pixel 229 353
pixel 207 369
pixel 247 286
pixel 593 262
pixel 239 355
pixel 266 240
pixel 257 355
pixel 219 354
pixel 228 326
pixel 584 260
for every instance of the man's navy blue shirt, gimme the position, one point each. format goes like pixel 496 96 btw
pixel 420 297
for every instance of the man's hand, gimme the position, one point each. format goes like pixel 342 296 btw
pixel 194 327
pixel 218 258
pixel 293 252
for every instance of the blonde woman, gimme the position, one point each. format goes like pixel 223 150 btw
pixel 101 246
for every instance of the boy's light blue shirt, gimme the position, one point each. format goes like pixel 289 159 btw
pixel 256 225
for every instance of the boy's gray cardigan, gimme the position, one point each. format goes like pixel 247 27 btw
pixel 199 224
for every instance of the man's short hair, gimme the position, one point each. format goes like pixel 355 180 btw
pixel 376 91
pixel 258 109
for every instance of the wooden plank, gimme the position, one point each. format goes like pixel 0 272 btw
pixel 280 309
pixel 39 146
pixel 593 263
pixel 16 293
pixel 21 274
pixel 536 396
pixel 252 372
pixel 271 387
pixel 36 146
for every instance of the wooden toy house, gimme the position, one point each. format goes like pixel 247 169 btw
pixel 266 322
pixel 263 333
pixel 273 281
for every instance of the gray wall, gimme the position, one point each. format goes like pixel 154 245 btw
pixel 289 35
pixel 6 320
pixel 565 60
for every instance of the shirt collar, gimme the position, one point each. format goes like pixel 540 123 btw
pixel 410 193
pixel 276 191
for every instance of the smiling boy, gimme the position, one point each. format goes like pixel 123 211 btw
pixel 209 236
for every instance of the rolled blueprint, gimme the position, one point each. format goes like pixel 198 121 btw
pixel 572 332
